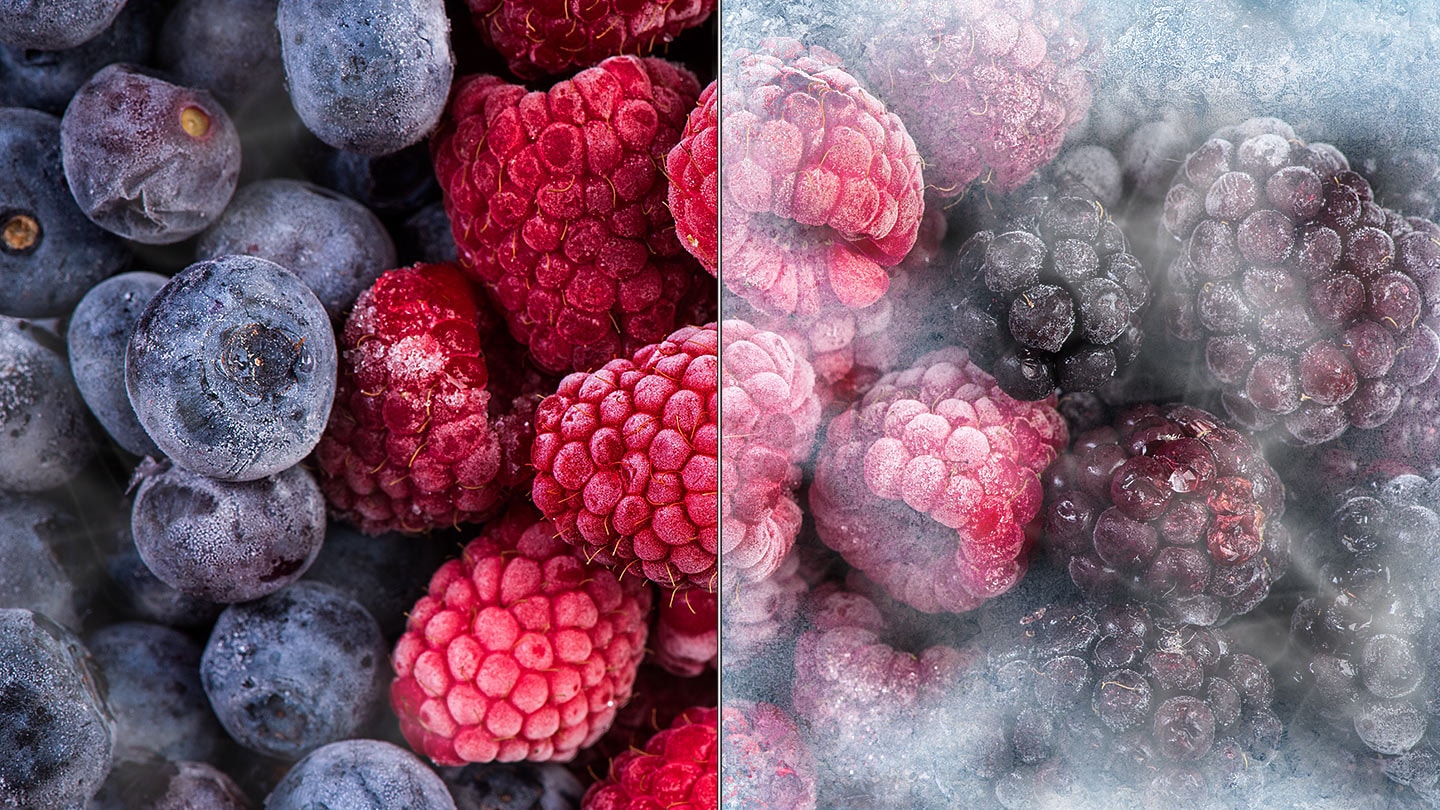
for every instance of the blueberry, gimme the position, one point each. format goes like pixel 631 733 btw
pixel 152 674
pixel 231 368
pixel 296 670
pixel 99 332
pixel 54 25
pixel 513 786
pixel 334 244
pixel 386 573
pixel 371 76
pixel 56 735
pixel 429 229
pixel 393 185
pixel 361 775
pixel 141 595
pixel 50 254
pixel 45 80
pixel 228 47
pixel 45 436
pixel 227 541
pixel 158 784
pixel 147 159
pixel 33 537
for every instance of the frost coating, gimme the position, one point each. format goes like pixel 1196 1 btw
pixel 31 575
pixel 99 332
pixel 54 25
pixel 362 775
pixel 44 434
pixel 231 368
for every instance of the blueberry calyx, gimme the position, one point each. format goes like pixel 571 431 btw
pixel 19 232
pixel 261 360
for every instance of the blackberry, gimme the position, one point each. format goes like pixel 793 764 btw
pixel 1367 634
pixel 1056 300
pixel 1313 302
pixel 1171 506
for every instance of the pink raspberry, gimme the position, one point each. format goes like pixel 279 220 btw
pixel 767 764
pixel 521 650
pixel 625 460
pixel 686 638
pixel 557 204
pixel 694 185
pixel 678 768
pixel 822 188
pixel 760 614
pixel 927 484
pixel 657 698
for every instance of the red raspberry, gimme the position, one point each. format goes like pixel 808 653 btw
pixel 625 460
pixel 758 615
pixel 678 769
pixel 767 764
pixel 822 186
pixel 558 206
pixel 538 38
pixel 771 414
pixel 694 186
pixel 418 437
pixel 656 700
pixel 686 638
pixel 928 482
pixel 519 651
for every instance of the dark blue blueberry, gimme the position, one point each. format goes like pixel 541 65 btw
pixel 226 541
pixel 429 229
pixel 361 775
pixel 158 784
pixel 294 671
pixel 141 595
pixel 50 254
pixel 228 47
pixel 45 432
pixel 152 674
pixel 56 736
pixel 334 244
pixel 45 80
pixel 370 76
pixel 393 186
pixel 386 573
pixel 231 368
pixel 34 535
pixel 99 332
pixel 54 25
pixel 514 786
pixel 147 159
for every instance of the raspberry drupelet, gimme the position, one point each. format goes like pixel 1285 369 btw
pixel 678 768
pixel 557 204
pixel 422 435
pixel 521 649
pixel 928 482
pixel 692 166
pixel 625 460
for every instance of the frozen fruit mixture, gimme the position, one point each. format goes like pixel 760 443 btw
pixel 359 407
pixel 1078 402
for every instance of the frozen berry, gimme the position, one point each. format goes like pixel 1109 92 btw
pixel 360 775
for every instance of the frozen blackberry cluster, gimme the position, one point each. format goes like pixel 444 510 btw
pixel 1170 506
pixel 1314 304
pixel 1054 299
pixel 1366 635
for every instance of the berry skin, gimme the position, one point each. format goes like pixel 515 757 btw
pixel 693 166
pixel 987 90
pixel 231 368
pixel 513 786
pixel 54 25
pixel 625 460
pixel 767 763
pixel 368 77
pixel 927 483
pixel 557 204
pixel 161 784
pixel 549 38
pixel 677 769
pixel 229 47
pixel 1169 506
pixel 100 329
pixel 521 650
pixel 822 187
pixel 146 159
pixel 360 775
pixel 44 427
pixel 422 434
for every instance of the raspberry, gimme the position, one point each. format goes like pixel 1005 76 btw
pixel 686 637
pixel 1313 303
pixel 419 437
pixel 694 185
pixel 767 764
pixel 771 414
pixel 521 650
pixel 1170 506
pixel 758 615
pixel 678 768
pixel 987 89
pixel 625 460
pixel 656 700
pixel 822 187
pixel 557 205
pixel 927 483
pixel 1054 298
pixel 548 38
